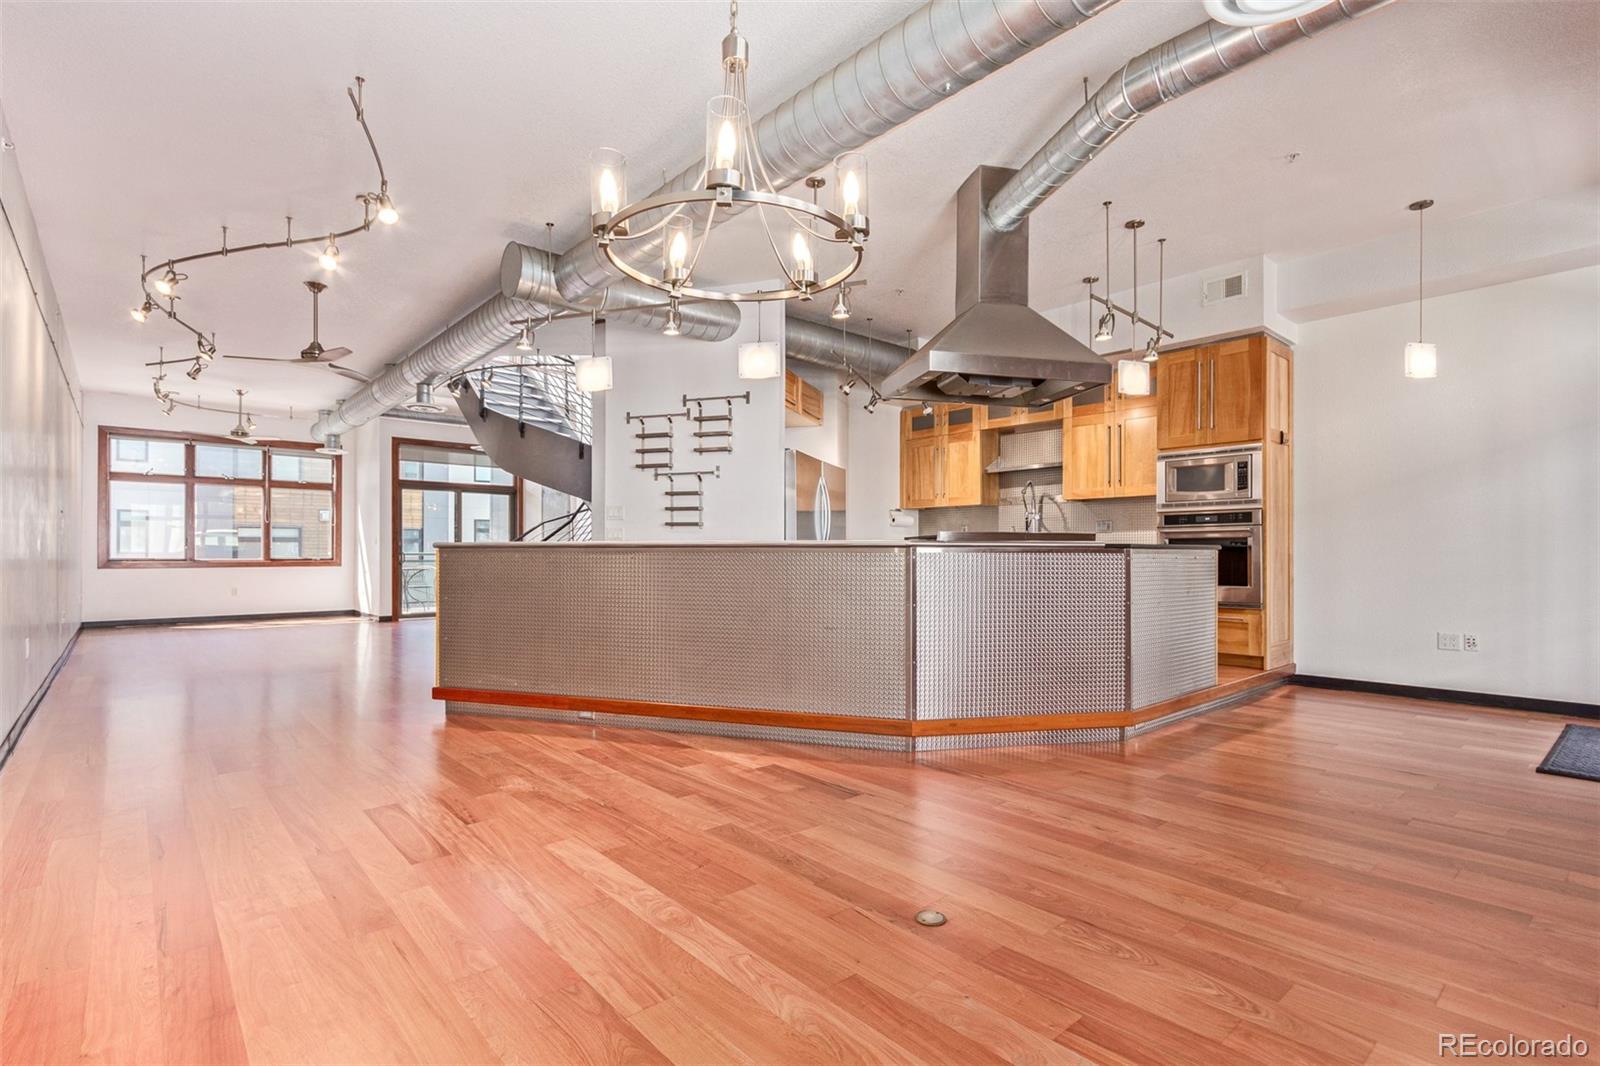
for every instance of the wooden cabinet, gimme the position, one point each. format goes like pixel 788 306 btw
pixel 1213 395
pixel 1109 445
pixel 1240 639
pixel 993 416
pixel 802 401
pixel 943 459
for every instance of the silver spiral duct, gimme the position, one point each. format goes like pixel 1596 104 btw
pixel 825 345
pixel 470 337
pixel 526 274
pixel 933 53
pixel 1184 63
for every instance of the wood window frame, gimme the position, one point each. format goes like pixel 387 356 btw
pixel 397 483
pixel 189 480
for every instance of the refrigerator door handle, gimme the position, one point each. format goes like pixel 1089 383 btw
pixel 823 513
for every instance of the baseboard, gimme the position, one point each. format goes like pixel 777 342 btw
pixel 1569 708
pixel 212 619
pixel 14 734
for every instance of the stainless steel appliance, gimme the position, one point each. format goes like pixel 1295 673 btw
pixel 1213 477
pixel 1237 537
pixel 813 497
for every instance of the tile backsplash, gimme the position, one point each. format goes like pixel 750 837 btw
pixel 1131 520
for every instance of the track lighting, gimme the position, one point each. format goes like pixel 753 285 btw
pixel 143 311
pixel 167 284
pixel 386 212
pixel 847 384
pixel 1107 326
pixel 1152 350
pixel 207 348
pixel 674 326
pixel 194 372
pixel 329 259
pixel 1108 321
pixel 927 407
pixel 525 340
pixel 841 305
pixel 872 404
pixel 168 404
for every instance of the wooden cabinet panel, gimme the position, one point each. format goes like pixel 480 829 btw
pixel 1179 403
pixel 1087 457
pixel 963 472
pixel 802 401
pixel 944 458
pixel 919 473
pixel 1235 388
pixel 1239 633
pixel 1136 452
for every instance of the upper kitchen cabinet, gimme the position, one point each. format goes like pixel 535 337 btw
pixel 1109 444
pixel 994 416
pixel 1214 394
pixel 802 401
pixel 943 456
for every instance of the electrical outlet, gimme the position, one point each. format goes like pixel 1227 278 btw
pixel 1469 642
pixel 1449 641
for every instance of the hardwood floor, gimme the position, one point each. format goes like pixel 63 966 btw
pixel 266 843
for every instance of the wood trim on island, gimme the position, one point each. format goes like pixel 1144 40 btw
pixel 1249 685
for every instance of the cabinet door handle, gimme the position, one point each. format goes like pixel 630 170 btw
pixel 1122 459
pixel 1108 455
pixel 1197 423
pixel 1213 392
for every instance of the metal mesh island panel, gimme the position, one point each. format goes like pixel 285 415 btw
pixel 1003 632
pixel 789 628
pixel 1172 612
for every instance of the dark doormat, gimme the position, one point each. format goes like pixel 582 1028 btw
pixel 1576 753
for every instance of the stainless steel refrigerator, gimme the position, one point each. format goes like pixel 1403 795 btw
pixel 813 496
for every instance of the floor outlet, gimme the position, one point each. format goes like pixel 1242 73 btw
pixel 1469 642
pixel 1449 641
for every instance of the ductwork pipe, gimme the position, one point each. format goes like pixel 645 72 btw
pixel 935 52
pixel 814 342
pixel 1184 63
pixel 527 274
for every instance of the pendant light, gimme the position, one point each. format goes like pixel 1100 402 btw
pixel 1153 349
pixel 1422 359
pixel 1108 321
pixel 592 373
pixel 1133 375
pixel 761 360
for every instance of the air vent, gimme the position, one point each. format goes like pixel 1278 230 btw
pixel 1216 290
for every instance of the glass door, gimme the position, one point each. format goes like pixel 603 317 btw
pixel 427 517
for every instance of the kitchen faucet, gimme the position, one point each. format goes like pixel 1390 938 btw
pixel 1033 509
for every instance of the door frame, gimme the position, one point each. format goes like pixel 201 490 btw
pixel 397 484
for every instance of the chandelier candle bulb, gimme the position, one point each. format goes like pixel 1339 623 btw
pixel 804 269
pixel 608 185
pixel 850 191
pixel 675 265
pixel 725 116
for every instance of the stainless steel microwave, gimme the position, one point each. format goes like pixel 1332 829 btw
pixel 1210 477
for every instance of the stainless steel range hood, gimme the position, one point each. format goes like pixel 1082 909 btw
pixel 998 350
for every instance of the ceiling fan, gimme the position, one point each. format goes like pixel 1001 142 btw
pixel 313 354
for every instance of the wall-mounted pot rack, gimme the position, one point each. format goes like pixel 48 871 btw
pixel 720 431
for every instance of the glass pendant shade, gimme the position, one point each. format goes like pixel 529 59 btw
pixel 608 183
pixel 802 264
pixel 850 189
pixel 677 248
pixel 759 361
pixel 1422 360
pixel 593 373
pixel 725 126
pixel 1133 377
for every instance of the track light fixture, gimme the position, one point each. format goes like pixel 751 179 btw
pixel 207 349
pixel 1108 321
pixel 194 372
pixel 164 277
pixel 927 407
pixel 841 305
pixel 1152 349
pixel 674 326
pixel 525 338
pixel 847 384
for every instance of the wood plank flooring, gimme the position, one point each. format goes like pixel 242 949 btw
pixel 265 844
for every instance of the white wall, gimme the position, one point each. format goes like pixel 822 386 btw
pixel 40 420
pixel 651 374
pixel 196 592
pixel 830 441
pixel 1470 503
pixel 872 489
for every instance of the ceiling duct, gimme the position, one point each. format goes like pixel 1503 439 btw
pixel 829 346
pixel 1170 69
pixel 997 349
pixel 933 53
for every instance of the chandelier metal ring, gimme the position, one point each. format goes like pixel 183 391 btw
pixel 615 230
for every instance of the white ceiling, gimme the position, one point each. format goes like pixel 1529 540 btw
pixel 143 127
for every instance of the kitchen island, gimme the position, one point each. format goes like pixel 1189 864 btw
pixel 901 646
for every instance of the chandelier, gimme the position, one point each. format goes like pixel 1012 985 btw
pixel 676 225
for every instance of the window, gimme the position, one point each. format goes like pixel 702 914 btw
pixel 173 500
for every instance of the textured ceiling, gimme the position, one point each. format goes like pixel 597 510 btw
pixel 144 127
